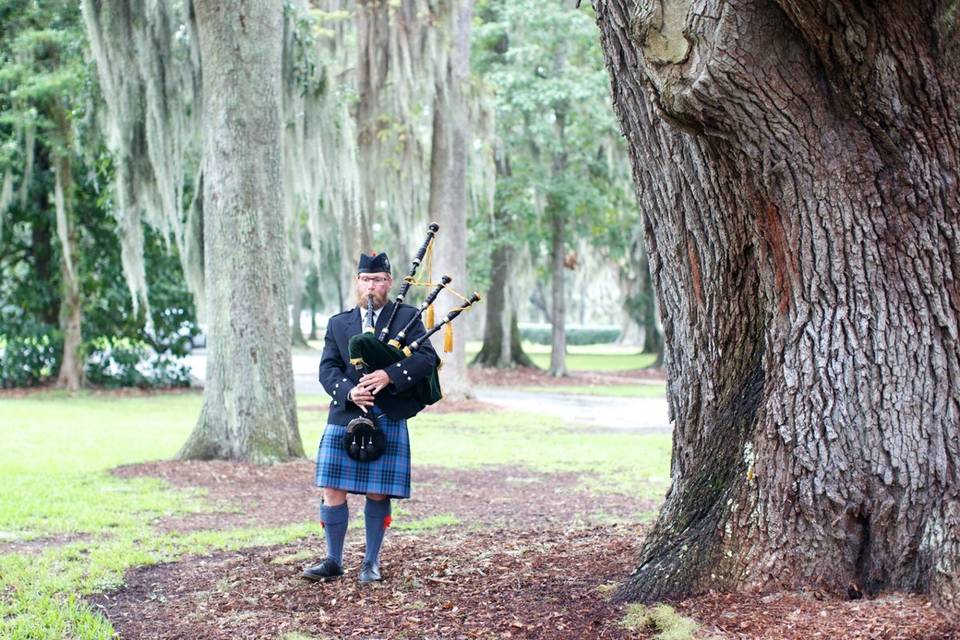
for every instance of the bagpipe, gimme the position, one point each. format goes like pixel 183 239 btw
pixel 368 351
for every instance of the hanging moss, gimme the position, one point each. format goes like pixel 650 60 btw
pixel 148 67
pixel 359 80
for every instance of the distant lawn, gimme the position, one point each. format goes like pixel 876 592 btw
pixel 592 357
pixel 619 391
pixel 58 451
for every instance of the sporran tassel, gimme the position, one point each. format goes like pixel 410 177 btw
pixel 448 338
pixel 430 318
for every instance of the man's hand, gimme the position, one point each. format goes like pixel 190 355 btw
pixel 361 396
pixel 375 382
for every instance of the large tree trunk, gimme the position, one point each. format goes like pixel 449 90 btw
pixel 373 25
pixel 448 186
pixel 797 166
pixel 501 340
pixel 249 409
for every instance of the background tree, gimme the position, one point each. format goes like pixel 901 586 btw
pixel 42 52
pixel 249 410
pixel 623 245
pixel 501 233
pixel 558 137
pixel 797 166
pixel 449 202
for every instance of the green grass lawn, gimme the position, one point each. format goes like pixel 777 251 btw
pixel 593 358
pixel 56 483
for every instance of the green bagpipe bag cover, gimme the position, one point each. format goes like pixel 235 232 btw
pixel 366 349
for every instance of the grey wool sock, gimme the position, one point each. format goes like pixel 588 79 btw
pixel 334 521
pixel 376 519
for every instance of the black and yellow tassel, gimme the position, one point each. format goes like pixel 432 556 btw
pixel 448 338
pixel 430 318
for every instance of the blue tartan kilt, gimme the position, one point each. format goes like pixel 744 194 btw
pixel 388 475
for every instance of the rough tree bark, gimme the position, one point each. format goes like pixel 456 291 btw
pixel 448 187
pixel 373 25
pixel 249 410
pixel 797 165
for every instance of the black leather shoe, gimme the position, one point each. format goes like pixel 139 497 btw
pixel 326 570
pixel 370 572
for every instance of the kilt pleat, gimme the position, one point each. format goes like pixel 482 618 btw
pixel 388 475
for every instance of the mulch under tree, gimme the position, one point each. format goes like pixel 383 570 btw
pixel 530 555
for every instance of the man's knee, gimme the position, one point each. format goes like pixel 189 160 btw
pixel 334 497
pixel 376 496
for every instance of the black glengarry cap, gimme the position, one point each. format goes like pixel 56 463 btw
pixel 375 263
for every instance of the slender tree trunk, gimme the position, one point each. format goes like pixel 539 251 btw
pixel 501 337
pixel 517 354
pixel 802 225
pixel 652 330
pixel 496 327
pixel 557 206
pixel 558 352
pixel 297 281
pixel 448 187
pixel 71 365
pixel 631 327
pixel 249 409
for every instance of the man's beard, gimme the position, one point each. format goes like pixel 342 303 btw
pixel 379 300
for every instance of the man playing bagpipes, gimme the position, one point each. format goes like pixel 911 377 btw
pixel 374 384
pixel 379 396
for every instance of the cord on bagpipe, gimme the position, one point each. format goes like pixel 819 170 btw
pixel 429 315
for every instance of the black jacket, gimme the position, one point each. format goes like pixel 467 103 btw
pixel 338 376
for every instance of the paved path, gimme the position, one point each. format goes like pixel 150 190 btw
pixel 647 415
pixel 634 414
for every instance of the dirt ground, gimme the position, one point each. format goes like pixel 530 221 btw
pixel 526 555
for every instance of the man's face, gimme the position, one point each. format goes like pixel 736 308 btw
pixel 375 284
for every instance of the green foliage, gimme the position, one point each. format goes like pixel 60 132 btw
pixel 112 332
pixel 46 87
pixel 575 335
pixel 29 355
pixel 122 362
pixel 560 149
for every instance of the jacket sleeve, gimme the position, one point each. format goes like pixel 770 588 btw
pixel 333 370
pixel 417 366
